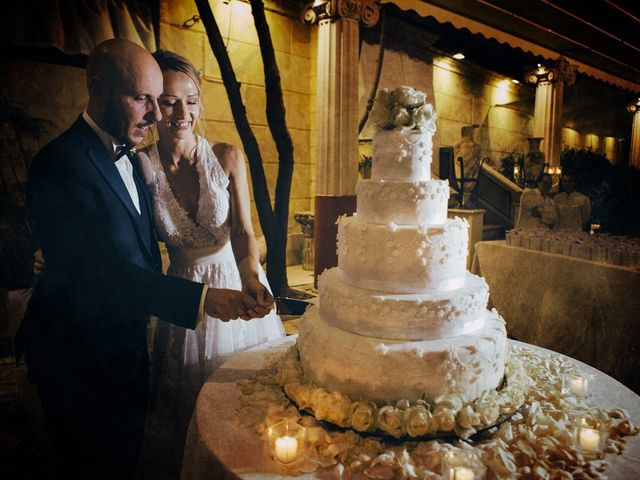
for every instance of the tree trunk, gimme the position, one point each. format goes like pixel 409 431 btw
pixel 276 263
pixel 274 224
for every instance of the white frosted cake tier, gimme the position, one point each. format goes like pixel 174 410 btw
pixel 401 156
pixel 413 316
pixel 400 258
pixel 385 371
pixel 404 203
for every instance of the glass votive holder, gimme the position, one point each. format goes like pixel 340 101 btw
pixel 462 466
pixel 590 435
pixel 576 384
pixel 286 441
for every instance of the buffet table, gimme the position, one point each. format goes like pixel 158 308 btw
pixel 222 442
pixel 584 309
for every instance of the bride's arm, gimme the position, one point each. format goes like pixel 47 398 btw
pixel 243 241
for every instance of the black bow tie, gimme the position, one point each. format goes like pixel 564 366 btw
pixel 122 150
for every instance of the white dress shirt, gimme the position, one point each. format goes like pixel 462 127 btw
pixel 574 210
pixel 530 200
pixel 125 169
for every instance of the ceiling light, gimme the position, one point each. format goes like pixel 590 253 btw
pixel 515 80
pixel 459 56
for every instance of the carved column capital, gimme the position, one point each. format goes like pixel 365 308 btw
pixel 558 70
pixel 634 107
pixel 365 11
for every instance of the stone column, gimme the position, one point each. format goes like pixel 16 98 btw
pixel 547 116
pixel 634 148
pixel 338 116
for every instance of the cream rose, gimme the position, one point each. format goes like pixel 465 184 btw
pixel 425 118
pixel 446 418
pixel 390 420
pixel 489 412
pixel 417 421
pixel 451 401
pixel 339 409
pixel 320 402
pixel 401 117
pixel 362 416
pixel 468 418
pixel 409 97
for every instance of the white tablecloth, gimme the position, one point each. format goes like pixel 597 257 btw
pixel 587 310
pixel 220 446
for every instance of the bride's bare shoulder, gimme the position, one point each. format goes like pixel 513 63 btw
pixel 229 156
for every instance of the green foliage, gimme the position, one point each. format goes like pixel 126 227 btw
pixel 614 190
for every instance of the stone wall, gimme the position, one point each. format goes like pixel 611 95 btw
pixel 467 95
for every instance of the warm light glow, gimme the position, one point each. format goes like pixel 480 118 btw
pixel 286 449
pixel 592 140
pixel 589 439
pixel 459 56
pixel 515 80
pixel 539 65
pixel 502 93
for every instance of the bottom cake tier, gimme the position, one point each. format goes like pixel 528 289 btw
pixel 386 371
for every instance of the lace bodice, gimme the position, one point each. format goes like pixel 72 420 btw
pixel 173 224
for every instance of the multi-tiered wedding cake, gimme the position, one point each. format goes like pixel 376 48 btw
pixel 401 327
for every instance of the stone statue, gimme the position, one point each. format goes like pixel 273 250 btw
pixel 533 162
pixel 469 151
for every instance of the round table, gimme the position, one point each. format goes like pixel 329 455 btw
pixel 221 446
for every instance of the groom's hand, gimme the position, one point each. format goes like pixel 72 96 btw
pixel 262 296
pixel 228 304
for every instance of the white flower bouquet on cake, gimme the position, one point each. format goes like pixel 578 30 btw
pixel 405 109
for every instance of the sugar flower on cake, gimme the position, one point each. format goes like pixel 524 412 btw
pixel 418 421
pixel 362 416
pixel 403 108
pixel 390 420
pixel 445 417
pixel 339 409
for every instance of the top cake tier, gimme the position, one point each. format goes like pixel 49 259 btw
pixel 403 156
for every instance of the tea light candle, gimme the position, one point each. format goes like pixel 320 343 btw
pixel 462 473
pixel 589 439
pixel 286 449
pixel 579 386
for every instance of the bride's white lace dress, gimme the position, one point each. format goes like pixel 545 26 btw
pixel 198 250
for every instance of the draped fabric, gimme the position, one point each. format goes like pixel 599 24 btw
pixel 76 26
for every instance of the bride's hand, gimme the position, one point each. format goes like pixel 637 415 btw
pixel 228 304
pixel 262 296
pixel 38 262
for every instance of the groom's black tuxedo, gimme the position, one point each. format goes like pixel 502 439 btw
pixel 86 325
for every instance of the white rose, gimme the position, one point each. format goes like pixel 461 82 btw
pixel 468 418
pixel 417 421
pixel 362 416
pixel 488 411
pixel 409 97
pixel 451 401
pixel 446 418
pixel 320 402
pixel 401 117
pixel 390 420
pixel 425 118
pixel 339 409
